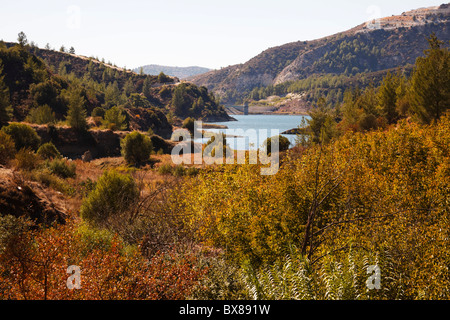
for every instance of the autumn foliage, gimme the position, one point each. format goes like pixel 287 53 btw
pixel 35 267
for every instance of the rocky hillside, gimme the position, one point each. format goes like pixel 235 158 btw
pixel 35 77
pixel 22 198
pixel 386 43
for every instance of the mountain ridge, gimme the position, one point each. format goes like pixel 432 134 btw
pixel 376 45
pixel 174 71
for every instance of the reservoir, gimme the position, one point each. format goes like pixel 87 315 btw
pixel 257 122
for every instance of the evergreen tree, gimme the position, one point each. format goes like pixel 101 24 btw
pixel 5 105
pixel 115 119
pixel 22 39
pixel 178 101
pixel 162 78
pixel 321 124
pixel 112 95
pixel 387 97
pixel 430 83
pixel 147 87
pixel 72 50
pixel 128 87
pixel 76 115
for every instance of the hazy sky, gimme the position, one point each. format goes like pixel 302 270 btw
pixel 206 33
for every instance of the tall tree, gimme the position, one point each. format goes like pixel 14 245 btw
pixel 5 105
pixel 147 87
pixel 76 115
pixel 178 101
pixel 430 82
pixel 22 39
pixel 387 97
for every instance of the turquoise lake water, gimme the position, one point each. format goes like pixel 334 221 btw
pixel 256 123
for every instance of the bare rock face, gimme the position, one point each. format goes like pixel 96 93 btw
pixel 19 199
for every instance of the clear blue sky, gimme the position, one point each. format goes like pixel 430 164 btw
pixel 206 33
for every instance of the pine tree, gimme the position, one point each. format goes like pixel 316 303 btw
pixel 112 95
pixel 146 88
pixel 178 101
pixel 128 87
pixel 76 115
pixel 430 83
pixel 5 105
pixel 22 39
pixel 115 119
pixel 387 97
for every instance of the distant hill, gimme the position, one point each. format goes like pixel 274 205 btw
pixel 179 72
pixel 36 77
pixel 374 46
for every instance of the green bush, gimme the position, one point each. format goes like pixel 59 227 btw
pixel 24 136
pixel 115 119
pixel 283 144
pixel 192 171
pixel 42 115
pixel 47 178
pixel 179 171
pixel 113 195
pixel 7 148
pixel 98 112
pixel 189 124
pixel 165 169
pixel 62 168
pixel 48 151
pixel 136 148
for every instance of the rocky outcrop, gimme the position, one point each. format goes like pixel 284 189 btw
pixel 21 199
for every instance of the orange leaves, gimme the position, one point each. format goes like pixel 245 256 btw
pixel 106 273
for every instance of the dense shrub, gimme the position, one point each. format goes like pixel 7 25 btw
pixel 189 124
pixel 136 148
pixel 33 266
pixel 47 178
pixel 165 169
pixel 7 148
pixel 26 159
pixel 24 136
pixel 361 191
pixel 283 144
pixel 48 151
pixel 42 115
pixel 115 119
pixel 62 168
pixel 179 171
pixel 98 112
pixel 113 195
